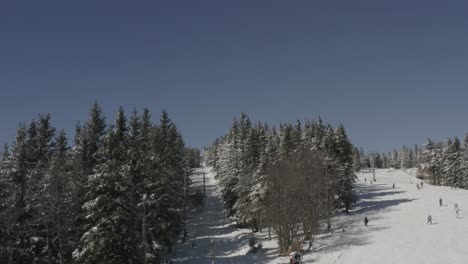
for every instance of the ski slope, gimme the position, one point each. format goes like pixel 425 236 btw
pixel 397 231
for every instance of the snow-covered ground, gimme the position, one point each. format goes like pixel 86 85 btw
pixel 397 231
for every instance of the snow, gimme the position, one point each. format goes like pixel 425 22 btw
pixel 397 231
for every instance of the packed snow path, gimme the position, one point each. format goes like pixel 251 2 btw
pixel 397 231
pixel 231 244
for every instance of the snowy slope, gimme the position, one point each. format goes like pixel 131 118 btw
pixel 230 242
pixel 397 231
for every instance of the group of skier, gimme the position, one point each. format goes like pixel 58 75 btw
pixel 455 208
pixel 429 217
pixel 419 185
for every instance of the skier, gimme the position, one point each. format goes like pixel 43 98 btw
pixel 393 186
pixel 365 179
pixel 422 183
pixel 429 220
pixel 440 201
pixel 417 185
pixel 194 244
pixel 366 221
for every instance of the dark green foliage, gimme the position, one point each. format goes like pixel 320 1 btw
pixel 84 204
pixel 239 158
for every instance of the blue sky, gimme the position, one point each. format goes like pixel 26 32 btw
pixel 393 72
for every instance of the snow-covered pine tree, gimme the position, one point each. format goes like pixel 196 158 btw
pixel 356 159
pixel 405 158
pixel 416 156
pixel 95 130
pixel 433 162
pixel 8 236
pixel 396 161
pixel 229 163
pixel 168 164
pixel 290 139
pixel 345 177
pixel 378 161
pixel 362 154
pixel 111 232
pixel 410 158
pixel 250 183
pixel 86 155
pixel 13 216
pixel 452 164
pixel 57 211
pixel 464 165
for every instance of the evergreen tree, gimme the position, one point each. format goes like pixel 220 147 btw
pixel 411 162
pixel 356 159
pixel 452 164
pixel 168 149
pixel 416 156
pixel 396 162
pixel 378 161
pixel 111 235
pixel 464 162
pixel 345 176
pixel 57 213
pixel 432 159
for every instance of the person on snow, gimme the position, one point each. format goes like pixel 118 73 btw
pixel 440 201
pixel 417 185
pixel 457 212
pixel 366 221
pixel 422 183
pixel 295 258
pixel 455 206
pixel 365 179
pixel 429 220
pixel 194 244
pixel 393 186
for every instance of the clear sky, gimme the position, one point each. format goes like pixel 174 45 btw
pixel 393 72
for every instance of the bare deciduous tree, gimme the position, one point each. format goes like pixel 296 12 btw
pixel 297 198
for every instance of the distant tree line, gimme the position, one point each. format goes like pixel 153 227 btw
pixel 290 179
pixel 445 163
pixel 404 158
pixel 194 158
pixel 84 202
pixel 442 163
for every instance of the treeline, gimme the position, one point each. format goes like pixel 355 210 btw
pixel 445 163
pixel 289 179
pixel 442 163
pixel 403 158
pixel 84 202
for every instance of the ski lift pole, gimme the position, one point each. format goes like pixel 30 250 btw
pixel 373 157
pixel 144 228
pixel 204 188
pixel 212 251
pixel 185 206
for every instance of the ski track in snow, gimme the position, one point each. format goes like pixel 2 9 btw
pixel 397 231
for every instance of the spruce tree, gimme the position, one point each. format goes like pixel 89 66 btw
pixel 345 174
pixel 57 210
pixel 452 164
pixel 356 159
pixel 111 235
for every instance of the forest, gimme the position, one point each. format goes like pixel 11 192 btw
pixel 84 199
